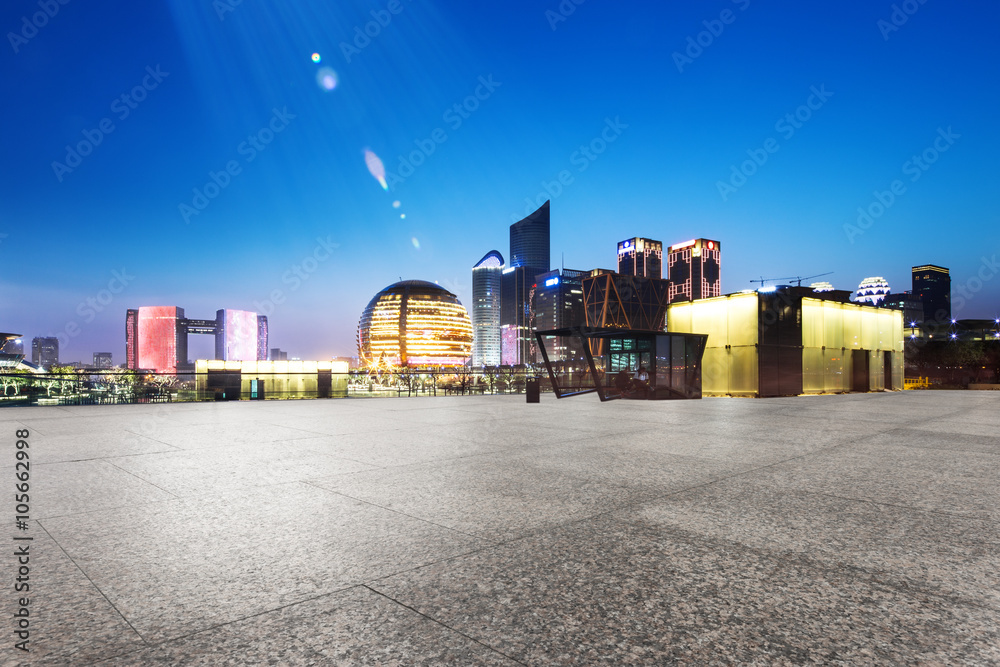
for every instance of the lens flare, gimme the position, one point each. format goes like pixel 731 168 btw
pixel 327 78
pixel 415 242
pixel 376 168
pixel 396 204
pixel 317 57
pixel 402 216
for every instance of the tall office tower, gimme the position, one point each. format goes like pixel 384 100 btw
pixel 558 304
pixel 236 335
pixel 162 338
pixel 640 257
pixel 486 278
pixel 529 256
pixel 132 338
pixel 694 270
pixel 529 240
pixel 103 360
pixel 262 338
pixel 932 285
pixel 45 352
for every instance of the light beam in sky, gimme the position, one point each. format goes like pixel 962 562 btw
pixel 376 168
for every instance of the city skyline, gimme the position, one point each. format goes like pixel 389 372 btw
pixel 225 167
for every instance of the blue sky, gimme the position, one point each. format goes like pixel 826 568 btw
pixel 303 232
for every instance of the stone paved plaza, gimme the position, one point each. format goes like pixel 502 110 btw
pixel 486 531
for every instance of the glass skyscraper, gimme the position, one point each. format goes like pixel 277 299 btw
pixel 529 257
pixel 529 240
pixel 486 279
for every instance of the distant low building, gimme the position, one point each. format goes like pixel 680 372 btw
pixel 103 360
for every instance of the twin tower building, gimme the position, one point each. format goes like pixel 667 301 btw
pixel 510 302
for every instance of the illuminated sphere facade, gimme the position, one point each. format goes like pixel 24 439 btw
pixel 415 323
pixel 872 291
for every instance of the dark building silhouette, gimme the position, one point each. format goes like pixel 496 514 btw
pixel 694 269
pixel 640 257
pixel 932 285
pixel 909 303
pixel 103 360
pixel 529 257
pixel 558 304
pixel 45 352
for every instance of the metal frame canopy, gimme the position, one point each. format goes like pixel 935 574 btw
pixel 673 360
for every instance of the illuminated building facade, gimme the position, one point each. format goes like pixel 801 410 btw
pixel 415 323
pixel 162 338
pixel 640 257
pixel 791 340
pixel 238 335
pixel 694 270
pixel 261 379
pixel 558 304
pixel 45 352
pixel 487 276
pixel 872 291
pixel 529 257
pixel 932 285
pixel 156 337
pixel 612 300
pixel 103 360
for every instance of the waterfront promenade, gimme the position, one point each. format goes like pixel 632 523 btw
pixel 481 530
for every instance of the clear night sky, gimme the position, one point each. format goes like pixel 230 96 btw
pixel 222 69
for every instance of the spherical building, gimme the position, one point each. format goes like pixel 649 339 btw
pixel 872 291
pixel 415 323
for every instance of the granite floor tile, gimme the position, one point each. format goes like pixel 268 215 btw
pixel 216 434
pixel 493 497
pixel 352 627
pixel 177 567
pixel 930 439
pixel 221 469
pixel 86 486
pixel 958 482
pixel 70 621
pixel 88 444
pixel 620 590
pixel 944 554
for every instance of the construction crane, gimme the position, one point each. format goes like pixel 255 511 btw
pixel 798 279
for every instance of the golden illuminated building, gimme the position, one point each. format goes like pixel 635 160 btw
pixel 415 323
pixel 793 341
